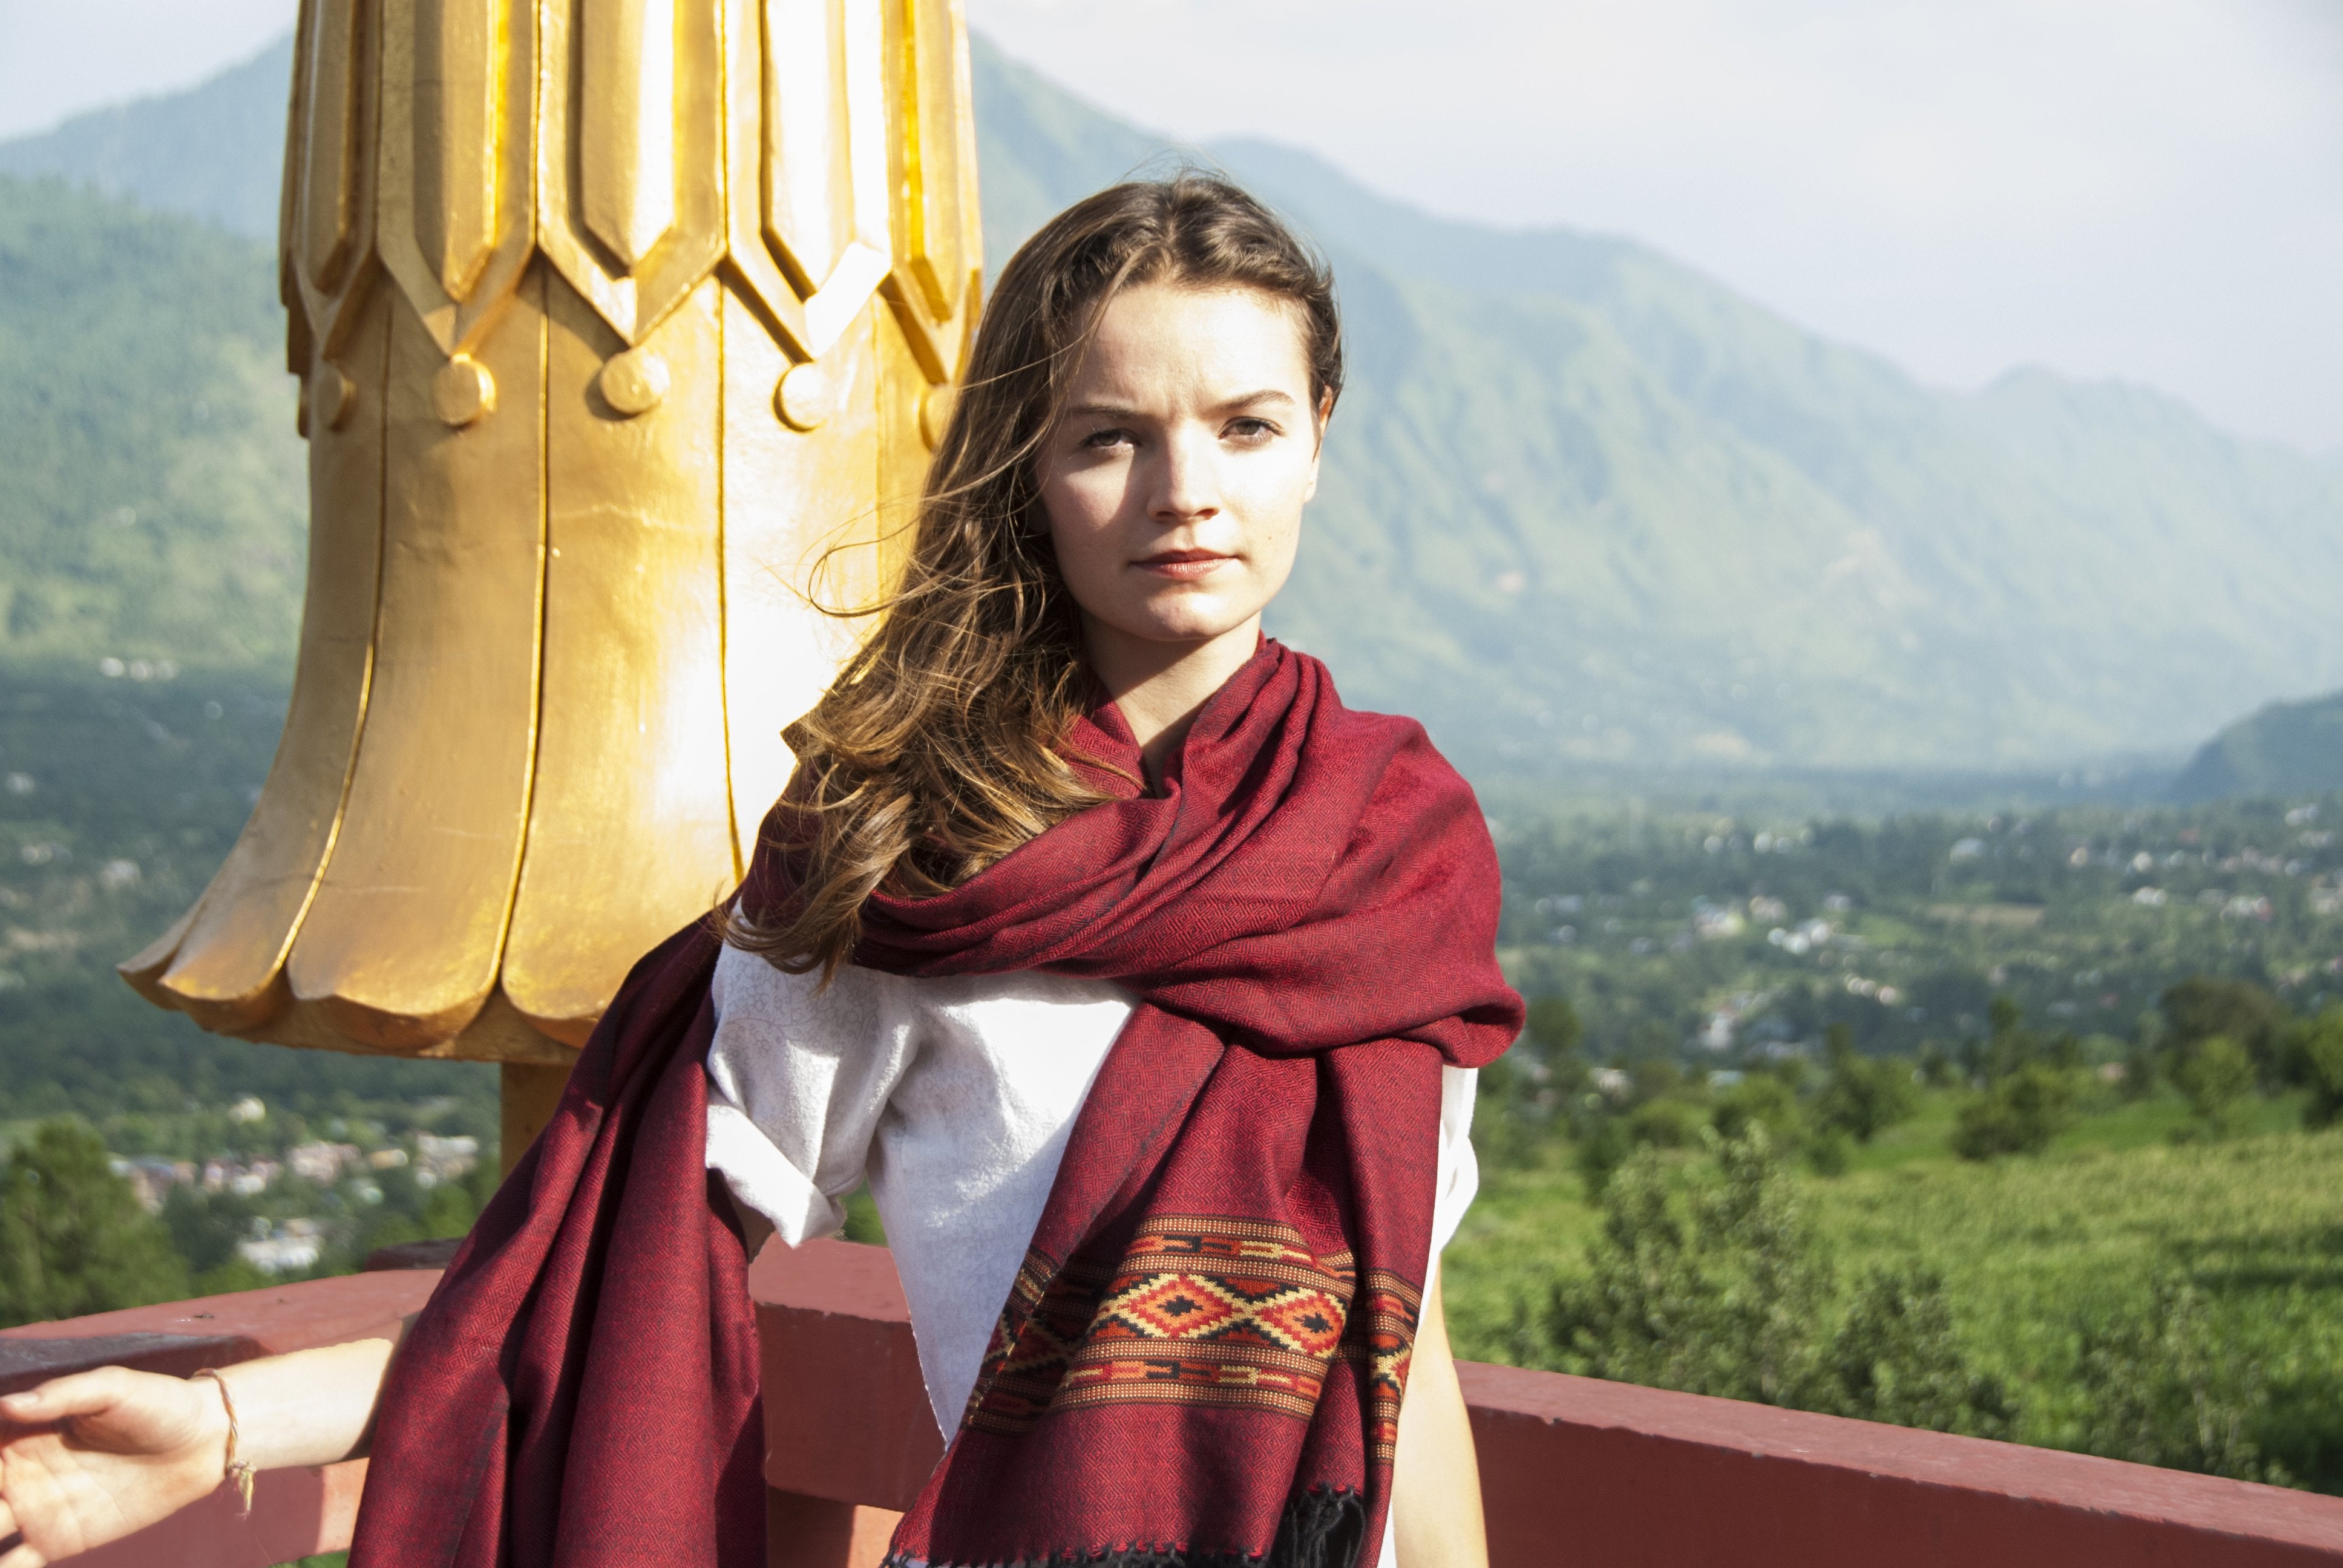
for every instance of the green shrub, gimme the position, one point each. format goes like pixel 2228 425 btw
pixel 2017 1114
pixel 2199 1007
pixel 1552 1025
pixel 2213 1074
pixel 2010 1046
pixel 1513 1109
pixel 1720 1304
pixel 1600 1152
pixel 1727 1292
pixel 204 1227
pixel 72 1239
pixel 1861 1097
pixel 1760 1099
pixel 409 1211
pixel 1666 1123
pixel 2320 1065
pixel 2163 1390
pixel 1895 1359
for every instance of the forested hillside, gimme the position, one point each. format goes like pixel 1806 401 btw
pixel 209 152
pixel 2285 749
pixel 152 499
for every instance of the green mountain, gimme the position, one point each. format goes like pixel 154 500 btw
pixel 212 152
pixel 155 504
pixel 1584 508
pixel 2285 748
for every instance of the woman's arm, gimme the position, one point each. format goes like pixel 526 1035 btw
pixel 1437 1477
pixel 91 1458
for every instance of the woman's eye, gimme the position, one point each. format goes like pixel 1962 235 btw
pixel 1101 441
pixel 1251 432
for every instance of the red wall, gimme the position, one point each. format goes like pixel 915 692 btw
pixel 1574 1471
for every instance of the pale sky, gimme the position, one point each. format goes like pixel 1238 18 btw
pixel 2145 190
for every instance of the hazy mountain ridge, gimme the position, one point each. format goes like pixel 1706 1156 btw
pixel 211 152
pixel 2287 748
pixel 1582 505
pixel 1645 492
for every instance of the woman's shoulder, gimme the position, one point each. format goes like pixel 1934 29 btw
pixel 747 981
pixel 750 983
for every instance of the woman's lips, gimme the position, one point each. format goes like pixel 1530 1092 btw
pixel 1182 564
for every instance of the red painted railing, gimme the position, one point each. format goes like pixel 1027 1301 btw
pixel 295 1512
pixel 1574 1472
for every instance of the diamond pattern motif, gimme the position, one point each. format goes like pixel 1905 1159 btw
pixel 1206 1310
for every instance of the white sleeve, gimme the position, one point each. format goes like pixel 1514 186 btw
pixel 798 1075
pixel 1459 1169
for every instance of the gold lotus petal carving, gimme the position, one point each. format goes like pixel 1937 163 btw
pixel 562 549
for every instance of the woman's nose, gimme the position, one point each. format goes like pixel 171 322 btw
pixel 1187 485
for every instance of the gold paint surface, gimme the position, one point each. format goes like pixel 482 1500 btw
pixel 226 970
pixel 570 560
pixel 329 153
pixel 935 413
pixel 788 498
pixel 496 1034
pixel 933 88
pixel 457 150
pixel 333 396
pixel 808 164
pixel 326 249
pixel 634 382
pixel 459 58
pixel 805 394
pixel 625 139
pixel 634 633
pixel 634 218
pixel 463 390
pixel 401 945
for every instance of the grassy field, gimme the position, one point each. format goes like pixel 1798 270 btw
pixel 2030 1250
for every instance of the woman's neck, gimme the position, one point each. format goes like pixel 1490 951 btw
pixel 1159 686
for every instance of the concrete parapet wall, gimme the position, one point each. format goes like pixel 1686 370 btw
pixel 1575 1471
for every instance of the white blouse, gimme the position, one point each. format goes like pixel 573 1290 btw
pixel 955 1098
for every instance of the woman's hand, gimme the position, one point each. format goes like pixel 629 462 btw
pixel 91 1458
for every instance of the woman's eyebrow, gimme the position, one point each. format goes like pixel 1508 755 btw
pixel 1266 395
pixel 1243 401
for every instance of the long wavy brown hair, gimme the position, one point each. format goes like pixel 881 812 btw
pixel 937 751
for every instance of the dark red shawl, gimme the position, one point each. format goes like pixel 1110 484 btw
pixel 1202 1358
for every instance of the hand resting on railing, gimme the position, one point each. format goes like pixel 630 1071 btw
pixel 98 1455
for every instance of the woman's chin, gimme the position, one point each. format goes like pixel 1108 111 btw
pixel 1176 635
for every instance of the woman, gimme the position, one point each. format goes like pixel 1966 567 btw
pixel 1144 981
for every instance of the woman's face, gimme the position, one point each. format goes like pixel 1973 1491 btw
pixel 1175 479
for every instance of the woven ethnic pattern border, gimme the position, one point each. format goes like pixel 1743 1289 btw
pixel 1382 1337
pixel 1203 1310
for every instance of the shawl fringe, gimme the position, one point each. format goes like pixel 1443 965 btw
pixel 1324 1527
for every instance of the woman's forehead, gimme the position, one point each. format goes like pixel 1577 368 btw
pixel 1160 338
